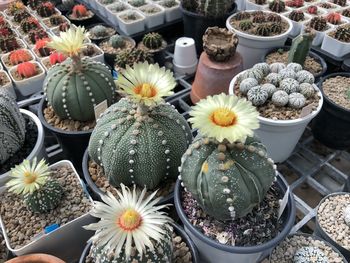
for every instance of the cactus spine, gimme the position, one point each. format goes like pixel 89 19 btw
pixel 300 48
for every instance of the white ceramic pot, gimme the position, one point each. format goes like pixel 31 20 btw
pixel 250 5
pixel 31 85
pixel 8 86
pixel 100 57
pixel 112 15
pixel 252 47
pixel 39 148
pixel 155 19
pixel 185 56
pixel 67 241
pixel 5 56
pixel 297 26
pixel 319 35
pixel 172 13
pixel 334 46
pixel 131 27
pixel 281 136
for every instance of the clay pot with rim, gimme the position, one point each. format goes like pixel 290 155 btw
pixel 218 63
pixel 35 258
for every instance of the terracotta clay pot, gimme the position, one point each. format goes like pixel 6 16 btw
pixel 36 258
pixel 214 77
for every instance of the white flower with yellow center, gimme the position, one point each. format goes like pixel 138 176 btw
pixel 69 42
pixel 130 220
pixel 146 83
pixel 225 117
pixel 28 177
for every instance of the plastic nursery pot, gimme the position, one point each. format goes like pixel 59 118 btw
pixel 212 251
pixel 316 238
pixel 253 47
pixel 73 143
pixel 97 193
pixel 8 86
pixel 39 148
pixel 64 242
pixel 335 47
pixel 81 22
pixel 185 56
pixel 318 58
pixel 110 57
pixel 177 229
pixel 195 25
pixel 281 136
pixel 36 258
pixel 331 126
pixel 99 40
pixel 321 233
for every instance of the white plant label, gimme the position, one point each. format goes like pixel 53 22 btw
pixel 306 110
pixel 283 203
pixel 100 108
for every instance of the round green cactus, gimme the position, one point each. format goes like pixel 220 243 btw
pixel 153 41
pixel 12 126
pixel 117 41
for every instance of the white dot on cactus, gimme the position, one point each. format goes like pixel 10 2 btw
pixel 102 75
pixel 114 126
pixel 160 133
pixel 92 100
pixel 167 151
pixel 164 142
pixel 270 161
pixel 182 184
pixel 133 142
pixel 231 208
pixel 168 167
pixel 178 121
pixel 226 191
pixel 224 179
pixel 155 126
pixel 183 127
pixel 64 106
pixel 131 161
pixel 88 88
pixel 229 200
pixel 179 169
pixel 106 133
pixel 100 141
pixel 132 112
pixel 132 182
pixel 124 110
pixel 251 148
pixel 132 152
pixel 168 160
pixel 131 171
pixel 90 94
pixel 99 157
pixel 63 94
pixel 274 166
pixel 166 173
pixel 129 117
pixel 179 177
pixel 106 79
pixel 86 83
pixel 66 110
pixel 261 153
pixel 131 176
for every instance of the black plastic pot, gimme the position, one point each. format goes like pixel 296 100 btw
pixel 322 234
pixel 177 229
pixel 318 58
pixel 212 251
pixel 81 22
pixel 96 192
pixel 195 25
pixel 73 143
pixel 332 125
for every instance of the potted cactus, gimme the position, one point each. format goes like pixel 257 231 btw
pixel 69 114
pixel 35 35
pixel 131 21
pixel 137 3
pixel 337 41
pixel 9 44
pixel 228 184
pixel 100 32
pixel 199 15
pixel 80 15
pixel 313 10
pixel 16 57
pixel 155 15
pixel 46 9
pixel 28 24
pixel 114 45
pixel 23 135
pixel 217 64
pixel 156 135
pixel 157 244
pixel 92 51
pixel 54 21
pixel 113 9
pixel 28 77
pixel 33 4
pixel 154 44
pixel 19 16
pixel 56 195
pixel 172 9
pixel 41 48
pixel 127 57
pixel 53 59
pixel 258 31
pixel 298 17
pixel 278 6
pixel 14 7
pixel 319 25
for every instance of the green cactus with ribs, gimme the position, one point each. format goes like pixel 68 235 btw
pixel 300 47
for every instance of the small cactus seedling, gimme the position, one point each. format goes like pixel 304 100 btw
pixel 274 18
pixel 326 5
pixel 318 23
pixel 277 6
pixel 46 9
pixel 79 11
pixel 42 48
pixel 153 40
pixel 6 32
pixel 117 41
pixel 346 12
pixel 9 44
pixel 29 24
pixel 32 180
pixel 260 2
pixel 312 9
pixel 19 56
pixel 34 3
pixel 12 126
pixel 35 35
pixel 64 27
pixel 334 18
pixel 2 21
pixel 300 47
pixel 342 34
pixel 57 57
pixel 26 70
pixel 297 15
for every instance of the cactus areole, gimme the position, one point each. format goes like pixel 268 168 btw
pixel 74 87
pixel 140 139
pixel 226 169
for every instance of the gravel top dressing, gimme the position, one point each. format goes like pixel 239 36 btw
pixel 22 225
pixel 3 249
pixel 337 89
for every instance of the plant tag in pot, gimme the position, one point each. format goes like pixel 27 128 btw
pixel 283 202
pixel 306 110
pixel 100 108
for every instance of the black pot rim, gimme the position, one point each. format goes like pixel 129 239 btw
pixel 165 200
pixel 177 228
pixel 196 15
pixel 103 38
pixel 311 54
pixel 329 101
pixel 290 209
pixel 53 129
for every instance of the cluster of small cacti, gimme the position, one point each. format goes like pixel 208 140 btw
pixel 56 20
pixel 310 254
pixel 334 18
pixel 137 3
pixel 35 35
pixel 19 56
pixel 79 11
pixel 153 40
pixel 340 2
pixel 117 7
pixel 312 9
pixel 29 24
pixel 282 85
pixel 318 23
pixel 295 3
pixel 42 48
pixel 46 9
pixel 277 6
pixel 297 15
pixel 20 16
pixel 116 41
pixel 9 44
pixel 12 126
pixel 209 8
pixel 342 33
pixel 129 57
pixel 26 70
pixel 56 58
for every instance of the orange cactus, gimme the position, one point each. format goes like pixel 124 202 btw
pixel 19 56
pixel 26 69
pixel 334 18
pixel 57 57
pixel 41 43
pixel 79 11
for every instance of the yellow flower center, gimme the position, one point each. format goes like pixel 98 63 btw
pixel 129 220
pixel 29 177
pixel 146 90
pixel 223 117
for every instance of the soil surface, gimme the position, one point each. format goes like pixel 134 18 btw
pixel 108 49
pixel 110 32
pixel 337 89
pixel 67 125
pixel 18 77
pixel 3 250
pixel 258 227
pixel 7 63
pixel 22 225
pixel 4 80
